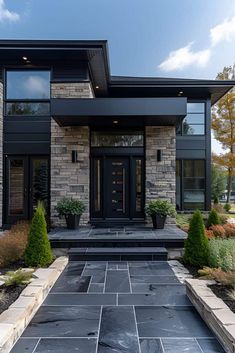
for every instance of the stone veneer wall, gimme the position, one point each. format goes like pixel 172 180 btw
pixel 1 150
pixel 160 176
pixel 67 178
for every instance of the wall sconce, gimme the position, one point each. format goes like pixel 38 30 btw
pixel 159 155
pixel 74 156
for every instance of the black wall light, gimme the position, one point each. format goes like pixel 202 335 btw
pixel 159 155
pixel 74 156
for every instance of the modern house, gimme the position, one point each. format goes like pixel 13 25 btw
pixel 69 128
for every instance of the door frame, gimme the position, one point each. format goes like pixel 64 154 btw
pixel 111 152
pixel 28 180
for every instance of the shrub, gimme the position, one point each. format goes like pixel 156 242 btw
pixel 16 278
pixel 217 274
pixel 216 200
pixel 196 245
pixel 13 243
pixel 68 206
pixel 223 218
pixel 213 218
pixel 227 207
pixel 38 251
pixel 218 207
pixel 218 231
pixel 222 254
pixel 229 230
pixel 209 234
pixel 160 207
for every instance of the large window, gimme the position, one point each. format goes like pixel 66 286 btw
pixel 194 122
pixel 27 92
pixel 117 138
pixel 190 184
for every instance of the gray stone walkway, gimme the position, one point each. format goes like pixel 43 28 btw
pixel 117 307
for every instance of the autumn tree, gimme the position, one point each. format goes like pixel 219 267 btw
pixel 218 181
pixel 223 125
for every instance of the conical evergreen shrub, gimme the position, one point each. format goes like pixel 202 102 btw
pixel 213 218
pixel 196 245
pixel 38 251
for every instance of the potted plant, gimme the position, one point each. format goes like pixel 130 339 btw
pixel 72 210
pixel 159 210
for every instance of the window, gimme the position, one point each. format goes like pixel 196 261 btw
pixel 27 92
pixel 190 184
pixel 117 139
pixel 194 122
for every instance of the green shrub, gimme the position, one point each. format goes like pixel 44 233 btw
pixel 196 245
pixel 216 199
pixel 16 278
pixel 213 218
pixel 68 206
pixel 160 207
pixel 227 207
pixel 222 254
pixel 38 251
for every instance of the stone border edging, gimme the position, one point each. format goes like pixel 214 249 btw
pixel 214 311
pixel 15 319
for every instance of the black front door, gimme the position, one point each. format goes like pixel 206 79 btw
pixel 117 187
pixel 117 193
pixel 26 182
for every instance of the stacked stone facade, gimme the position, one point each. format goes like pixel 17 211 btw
pixel 160 176
pixel 1 151
pixel 70 179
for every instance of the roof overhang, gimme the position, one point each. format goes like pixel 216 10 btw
pixel 123 111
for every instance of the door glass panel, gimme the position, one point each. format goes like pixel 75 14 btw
pixel 40 182
pixel 97 185
pixel 16 187
pixel 117 139
pixel 138 186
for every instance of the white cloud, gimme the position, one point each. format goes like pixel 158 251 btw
pixel 223 31
pixel 185 56
pixel 7 15
pixel 36 86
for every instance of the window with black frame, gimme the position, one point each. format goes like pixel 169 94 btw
pixel 27 92
pixel 194 122
pixel 193 184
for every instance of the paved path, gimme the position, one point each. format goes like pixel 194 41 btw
pixel 125 307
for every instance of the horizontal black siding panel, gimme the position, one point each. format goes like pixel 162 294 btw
pixel 26 148
pixel 78 73
pixel 45 137
pixel 29 127
pixel 190 154
pixel 192 143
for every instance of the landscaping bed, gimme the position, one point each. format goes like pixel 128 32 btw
pixel 9 294
pixel 222 292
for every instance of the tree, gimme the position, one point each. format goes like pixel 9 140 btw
pixel 223 125
pixel 196 245
pixel 38 251
pixel 213 218
pixel 218 181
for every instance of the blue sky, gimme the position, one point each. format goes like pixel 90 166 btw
pixel 174 38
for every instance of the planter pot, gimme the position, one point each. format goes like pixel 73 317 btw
pixel 72 221
pixel 158 221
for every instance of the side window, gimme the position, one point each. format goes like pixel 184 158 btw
pixel 27 92
pixel 194 122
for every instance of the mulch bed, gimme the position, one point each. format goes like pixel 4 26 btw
pixel 193 270
pixel 222 293
pixel 8 295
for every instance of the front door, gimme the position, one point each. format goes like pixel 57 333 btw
pixel 117 192
pixel 117 187
pixel 26 182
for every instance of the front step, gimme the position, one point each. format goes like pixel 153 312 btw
pixel 118 254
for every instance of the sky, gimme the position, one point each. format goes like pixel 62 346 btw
pixel 170 38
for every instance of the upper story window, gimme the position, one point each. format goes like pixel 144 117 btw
pixel 27 92
pixel 194 122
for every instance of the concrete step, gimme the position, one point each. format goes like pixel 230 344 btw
pixel 118 254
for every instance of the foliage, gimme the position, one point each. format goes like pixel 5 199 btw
pixel 218 182
pixel 223 218
pixel 223 125
pixel 160 207
pixel 182 221
pixel 227 207
pixel 213 218
pixel 222 254
pixel 229 230
pixel 13 243
pixel 218 231
pixel 68 206
pixel 217 274
pixel 218 207
pixel 38 251
pixel 196 245
pixel 16 278
pixel 209 233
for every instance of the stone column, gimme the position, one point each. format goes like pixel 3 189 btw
pixel 160 176
pixel 70 179
pixel 1 151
